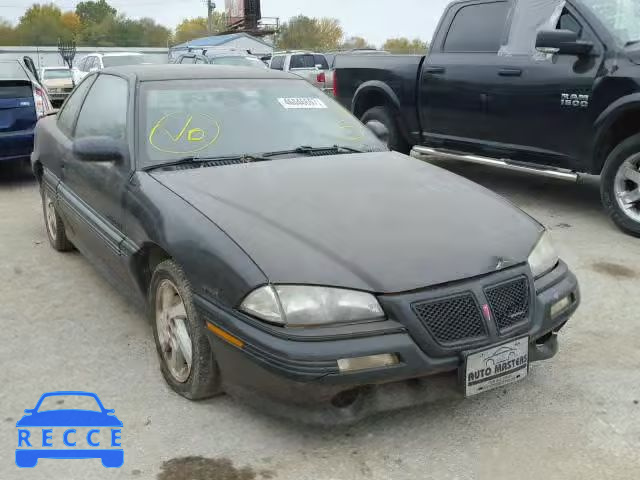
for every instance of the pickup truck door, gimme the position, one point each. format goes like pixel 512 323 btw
pixel 91 192
pixel 541 108
pixel 453 87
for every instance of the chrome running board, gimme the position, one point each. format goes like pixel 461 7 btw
pixel 422 152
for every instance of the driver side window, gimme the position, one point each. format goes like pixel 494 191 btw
pixel 104 112
pixel 569 22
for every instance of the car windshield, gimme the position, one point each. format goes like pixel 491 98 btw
pixel 622 17
pixel 56 74
pixel 69 402
pixel 230 117
pixel 238 61
pixel 119 60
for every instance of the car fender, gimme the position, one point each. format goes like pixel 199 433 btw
pixel 376 86
pixel 606 120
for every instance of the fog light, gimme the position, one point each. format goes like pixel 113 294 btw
pixel 561 305
pixel 365 363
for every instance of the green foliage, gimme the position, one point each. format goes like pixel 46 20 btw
pixel 310 34
pixel 94 23
pixel 404 45
pixel 191 28
pixel 352 43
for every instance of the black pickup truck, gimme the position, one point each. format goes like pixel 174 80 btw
pixel 552 89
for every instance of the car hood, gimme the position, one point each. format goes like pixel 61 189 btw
pixel 69 418
pixel 380 222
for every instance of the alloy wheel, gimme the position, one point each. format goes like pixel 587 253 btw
pixel 50 213
pixel 627 187
pixel 173 335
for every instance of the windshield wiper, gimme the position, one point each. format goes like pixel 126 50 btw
pixel 196 161
pixel 307 150
pixel 631 42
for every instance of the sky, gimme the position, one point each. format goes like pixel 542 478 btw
pixel 375 20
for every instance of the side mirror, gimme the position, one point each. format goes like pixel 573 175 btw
pixel 563 42
pixel 98 149
pixel 379 129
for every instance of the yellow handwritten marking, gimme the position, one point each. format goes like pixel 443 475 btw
pixel 194 135
pixel 352 132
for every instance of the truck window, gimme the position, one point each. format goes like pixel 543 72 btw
pixel 277 63
pixel 302 61
pixel 478 28
pixel 321 60
pixel 569 22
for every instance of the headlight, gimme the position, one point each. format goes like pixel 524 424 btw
pixel 543 258
pixel 306 306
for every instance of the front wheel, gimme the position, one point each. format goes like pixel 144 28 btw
pixel 620 185
pixel 53 223
pixel 387 117
pixel 186 360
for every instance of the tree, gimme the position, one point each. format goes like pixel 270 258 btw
pixel 71 22
pixel 42 25
pixel 352 43
pixel 191 28
pixel 310 34
pixel 8 34
pixel 404 45
pixel 94 12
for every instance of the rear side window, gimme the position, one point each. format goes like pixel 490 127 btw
pixel 104 112
pixel 70 109
pixel 188 59
pixel 478 28
pixel 277 63
pixel 321 60
pixel 302 61
pixel 12 71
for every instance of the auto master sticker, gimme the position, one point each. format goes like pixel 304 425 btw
pixel 184 133
pixel 302 103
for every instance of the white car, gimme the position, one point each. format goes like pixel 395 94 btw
pixel 313 67
pixel 97 61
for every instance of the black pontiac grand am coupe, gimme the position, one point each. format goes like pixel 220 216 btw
pixel 285 256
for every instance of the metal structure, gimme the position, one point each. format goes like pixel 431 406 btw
pixel 246 16
pixel 67 51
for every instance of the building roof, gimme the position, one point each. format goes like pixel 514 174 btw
pixel 218 40
pixel 145 73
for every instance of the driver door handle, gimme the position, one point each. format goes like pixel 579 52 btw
pixel 510 72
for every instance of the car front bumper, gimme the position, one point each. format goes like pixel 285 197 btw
pixel 295 373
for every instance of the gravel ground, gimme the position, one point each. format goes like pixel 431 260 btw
pixel 576 416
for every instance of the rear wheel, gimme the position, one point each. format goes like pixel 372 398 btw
pixel 620 185
pixel 387 117
pixel 186 360
pixel 53 223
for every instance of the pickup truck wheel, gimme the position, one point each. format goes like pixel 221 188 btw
pixel 53 223
pixel 385 116
pixel 620 185
pixel 186 360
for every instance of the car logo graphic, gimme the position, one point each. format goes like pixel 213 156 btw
pixel 36 437
pixel 502 354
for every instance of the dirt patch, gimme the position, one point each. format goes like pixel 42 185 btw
pixel 614 270
pixel 200 468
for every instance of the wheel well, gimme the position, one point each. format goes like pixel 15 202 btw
pixel 369 100
pixel 145 262
pixel 625 126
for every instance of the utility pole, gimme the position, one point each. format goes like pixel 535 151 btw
pixel 210 8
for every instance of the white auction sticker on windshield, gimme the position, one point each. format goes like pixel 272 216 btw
pixel 293 103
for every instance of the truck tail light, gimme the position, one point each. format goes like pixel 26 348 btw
pixel 335 83
pixel 321 78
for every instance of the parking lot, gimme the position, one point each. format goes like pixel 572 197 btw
pixel 576 416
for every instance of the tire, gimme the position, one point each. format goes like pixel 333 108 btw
pixel 613 180
pixel 388 118
pixel 53 224
pixel 202 378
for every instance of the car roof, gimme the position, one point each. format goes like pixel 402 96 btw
pixel 147 73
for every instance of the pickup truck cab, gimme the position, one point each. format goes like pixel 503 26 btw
pixel 310 66
pixel 551 87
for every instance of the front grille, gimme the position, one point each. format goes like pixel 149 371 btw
pixel 451 320
pixel 509 302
